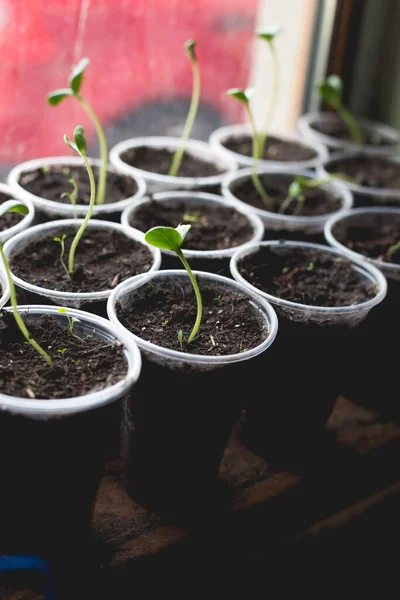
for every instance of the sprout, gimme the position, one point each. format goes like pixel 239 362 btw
pixel 268 35
pixel 8 207
pixel 168 238
pixel 72 196
pixel 57 96
pixel 194 105
pixel 331 91
pixel 61 242
pixel 300 184
pixel 244 96
pixel 71 322
pixel 79 146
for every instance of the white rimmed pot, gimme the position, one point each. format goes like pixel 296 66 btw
pixel 364 195
pixel 214 261
pixel 307 123
pixel 309 228
pixel 222 135
pixel 378 336
pixel 157 182
pixel 26 220
pixel 176 428
pixel 91 301
pixel 4 287
pixel 50 209
pixel 53 452
pixel 306 359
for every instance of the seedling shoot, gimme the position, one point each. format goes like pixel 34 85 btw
pixel 331 91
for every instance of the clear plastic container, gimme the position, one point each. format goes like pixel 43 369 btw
pixel 207 260
pixel 160 183
pixel 58 210
pixel 223 134
pixel 25 222
pixel 305 127
pixel 92 301
pixel 4 287
pixel 276 222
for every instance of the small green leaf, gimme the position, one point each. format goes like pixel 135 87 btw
pixel 269 33
pixel 80 140
pixel 62 310
pixel 75 80
pixel 242 95
pixel 165 238
pixel 71 144
pixel 331 91
pixel 183 230
pixel 294 189
pixel 58 96
pixel 190 46
pixel 13 206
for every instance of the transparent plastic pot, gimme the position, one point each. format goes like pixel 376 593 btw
pixel 176 428
pixel 215 261
pixel 26 220
pixel 376 338
pixel 306 128
pixel 50 209
pixel 223 134
pixel 160 183
pixel 313 346
pixel 4 287
pixel 277 226
pixel 91 301
pixel 54 452
pixel 362 195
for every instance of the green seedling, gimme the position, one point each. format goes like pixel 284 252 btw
pixel 13 206
pixel 300 184
pixel 393 249
pixel 61 242
pixel 331 92
pixel 268 35
pixel 72 196
pixel 62 351
pixel 310 266
pixel 180 338
pixel 79 146
pixel 168 238
pixel 73 91
pixel 71 322
pixel 244 96
pixel 191 217
pixel 190 46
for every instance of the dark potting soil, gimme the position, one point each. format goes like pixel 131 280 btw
pixel 368 171
pixel 81 364
pixel 275 148
pixel 372 238
pixel 212 227
pixel 102 260
pixel 9 219
pixel 51 181
pixel 158 160
pixel 338 129
pixel 305 276
pixel 229 324
pixel 317 201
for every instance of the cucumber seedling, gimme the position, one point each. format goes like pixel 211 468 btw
pixel 300 184
pixel 331 92
pixel 72 196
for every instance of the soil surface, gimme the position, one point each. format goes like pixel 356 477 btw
pixel 102 260
pixel 213 227
pixel 306 276
pixel 9 219
pixel 338 129
pixel 229 325
pixel 368 171
pixel 156 160
pixel 374 237
pixel 317 201
pixel 81 364
pixel 275 148
pixel 51 181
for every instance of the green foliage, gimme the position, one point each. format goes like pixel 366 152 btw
pixel 61 240
pixel 331 92
pixel 269 33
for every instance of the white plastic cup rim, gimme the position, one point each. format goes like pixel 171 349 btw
pixel 67 209
pixel 337 188
pixel 132 233
pixel 360 189
pixel 218 136
pixel 46 409
pixel 4 287
pixel 174 355
pixel 25 222
pixel 198 198
pixel 361 265
pixel 196 148
pixel 352 214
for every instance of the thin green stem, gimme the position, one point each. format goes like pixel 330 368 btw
pixel 197 293
pixel 102 179
pixel 351 124
pixel 194 105
pixel 274 99
pixel 254 176
pixel 82 228
pixel 17 316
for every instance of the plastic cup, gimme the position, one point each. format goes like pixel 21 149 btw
pixel 25 222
